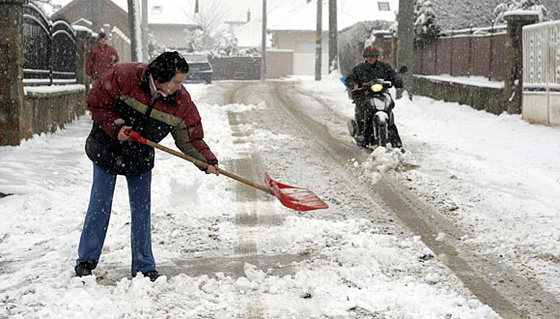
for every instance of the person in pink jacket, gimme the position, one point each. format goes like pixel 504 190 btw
pixel 102 57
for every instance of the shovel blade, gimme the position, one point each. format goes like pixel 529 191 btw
pixel 300 199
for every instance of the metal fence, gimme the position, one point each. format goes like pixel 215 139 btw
pixel 49 49
pixel 466 52
pixel 541 56
pixel 541 73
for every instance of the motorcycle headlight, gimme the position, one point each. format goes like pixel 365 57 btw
pixel 377 87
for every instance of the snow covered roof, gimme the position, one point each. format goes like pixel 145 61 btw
pixel 302 17
pixel 160 11
pixel 56 4
pixel 171 11
pixel 297 15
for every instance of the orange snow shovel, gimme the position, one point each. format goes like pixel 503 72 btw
pixel 300 199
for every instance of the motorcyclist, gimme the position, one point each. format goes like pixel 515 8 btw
pixel 369 70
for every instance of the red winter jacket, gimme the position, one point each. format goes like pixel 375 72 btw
pixel 122 97
pixel 101 59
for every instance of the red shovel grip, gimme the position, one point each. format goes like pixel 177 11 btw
pixel 135 137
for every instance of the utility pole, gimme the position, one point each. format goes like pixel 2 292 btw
pixel 263 44
pixel 405 42
pixel 96 18
pixel 318 44
pixel 135 52
pixel 333 36
pixel 145 47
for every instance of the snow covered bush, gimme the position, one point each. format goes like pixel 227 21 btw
pixel 512 5
pixel 154 48
pixel 426 30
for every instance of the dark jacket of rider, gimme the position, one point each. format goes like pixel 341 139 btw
pixel 365 72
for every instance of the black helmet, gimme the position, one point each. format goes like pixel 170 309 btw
pixel 371 51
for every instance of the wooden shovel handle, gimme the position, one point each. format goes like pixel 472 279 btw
pixel 205 165
pixel 292 197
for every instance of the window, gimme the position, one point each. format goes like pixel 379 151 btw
pixel 157 10
pixel 383 6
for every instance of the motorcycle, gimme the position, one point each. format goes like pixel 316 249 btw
pixel 379 127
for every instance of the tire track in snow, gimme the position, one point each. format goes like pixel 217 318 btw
pixel 510 294
pixel 258 216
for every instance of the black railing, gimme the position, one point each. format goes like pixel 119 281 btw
pixel 49 49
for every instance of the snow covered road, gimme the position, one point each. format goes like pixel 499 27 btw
pixel 229 251
pixel 493 282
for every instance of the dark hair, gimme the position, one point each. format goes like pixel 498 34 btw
pixel 166 65
pixel 102 35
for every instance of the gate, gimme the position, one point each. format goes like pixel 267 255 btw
pixel 541 73
pixel 49 49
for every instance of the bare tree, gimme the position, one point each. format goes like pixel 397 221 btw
pixel 211 18
pixel 459 14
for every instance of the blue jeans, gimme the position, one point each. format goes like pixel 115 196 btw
pixel 99 212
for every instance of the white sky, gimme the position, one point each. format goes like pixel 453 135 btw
pixel 495 177
pixel 237 9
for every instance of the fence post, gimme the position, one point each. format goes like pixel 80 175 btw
pixel 514 58
pixel 469 72
pixel 491 53
pixel 51 55
pixel 436 61
pixel 451 54
pixel 14 124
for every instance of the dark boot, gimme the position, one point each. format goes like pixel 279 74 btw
pixel 361 141
pixel 394 137
pixel 84 268
pixel 152 274
pixel 359 117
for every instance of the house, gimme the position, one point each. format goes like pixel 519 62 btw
pixel 293 25
pixel 168 20
pixel 80 12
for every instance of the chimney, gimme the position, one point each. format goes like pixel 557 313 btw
pixel 248 14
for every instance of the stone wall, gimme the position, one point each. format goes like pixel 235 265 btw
pixel 49 111
pixel 494 97
pixel 236 68
pixel 488 98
